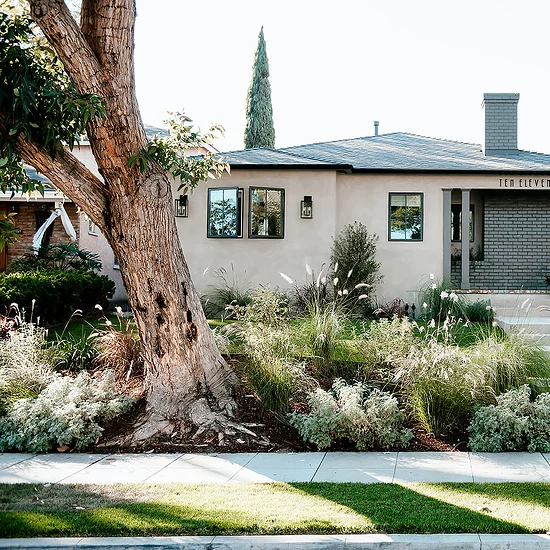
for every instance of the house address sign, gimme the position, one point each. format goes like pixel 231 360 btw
pixel 525 183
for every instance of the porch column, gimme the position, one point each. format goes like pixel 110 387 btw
pixel 447 235
pixel 465 283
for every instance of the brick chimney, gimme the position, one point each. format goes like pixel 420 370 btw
pixel 501 124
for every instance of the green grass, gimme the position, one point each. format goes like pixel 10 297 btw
pixel 297 508
pixel 78 327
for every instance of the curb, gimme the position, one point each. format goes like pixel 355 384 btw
pixel 288 542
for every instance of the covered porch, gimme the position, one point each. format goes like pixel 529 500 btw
pixel 504 239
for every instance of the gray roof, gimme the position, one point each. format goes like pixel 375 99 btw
pixel 33 174
pixel 393 152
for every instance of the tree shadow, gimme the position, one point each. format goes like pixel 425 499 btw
pixel 376 508
pixel 399 509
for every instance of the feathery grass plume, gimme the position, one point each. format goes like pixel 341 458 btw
pixel 227 292
pixel 269 345
pixel 26 365
pixel 119 352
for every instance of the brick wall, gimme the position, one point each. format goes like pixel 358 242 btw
pixel 516 242
pixel 26 221
pixel 501 122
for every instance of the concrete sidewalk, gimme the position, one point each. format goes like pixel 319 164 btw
pixel 367 467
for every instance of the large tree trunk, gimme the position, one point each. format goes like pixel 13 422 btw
pixel 186 377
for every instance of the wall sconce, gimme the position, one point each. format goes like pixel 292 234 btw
pixel 182 206
pixel 306 208
pixel 15 208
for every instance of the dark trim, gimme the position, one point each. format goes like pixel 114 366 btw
pixel 390 194
pixel 282 235
pixel 494 172
pixel 240 192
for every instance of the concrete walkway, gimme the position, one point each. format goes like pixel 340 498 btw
pixel 390 467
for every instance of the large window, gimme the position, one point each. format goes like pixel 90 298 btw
pixel 456 222
pixel 406 217
pixel 224 212
pixel 266 212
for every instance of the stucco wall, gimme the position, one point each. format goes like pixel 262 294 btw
pixel 256 260
pixel 99 245
pixel 405 264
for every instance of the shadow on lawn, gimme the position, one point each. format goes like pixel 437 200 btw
pixel 363 509
pixel 399 509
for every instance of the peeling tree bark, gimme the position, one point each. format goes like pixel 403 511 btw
pixel 187 378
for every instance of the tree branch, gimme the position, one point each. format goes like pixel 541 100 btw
pixel 64 35
pixel 109 30
pixel 72 177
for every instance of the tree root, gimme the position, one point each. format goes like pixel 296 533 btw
pixel 150 425
pixel 205 418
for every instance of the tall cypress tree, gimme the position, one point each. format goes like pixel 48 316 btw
pixel 259 131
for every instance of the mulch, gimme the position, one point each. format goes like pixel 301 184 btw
pixel 273 435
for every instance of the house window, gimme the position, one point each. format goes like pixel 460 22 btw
pixel 405 216
pixel 224 212
pixel 93 229
pixel 456 222
pixel 266 213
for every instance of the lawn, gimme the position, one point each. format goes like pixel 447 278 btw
pixel 296 508
pixel 79 327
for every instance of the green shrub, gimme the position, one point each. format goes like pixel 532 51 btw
pixel 76 352
pixel 57 293
pixel 367 416
pixel 228 292
pixel 59 256
pixel 66 412
pixel 354 253
pixel 515 423
pixel 477 312
pixel 440 303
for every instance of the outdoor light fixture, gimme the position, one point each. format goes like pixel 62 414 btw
pixel 306 208
pixel 182 206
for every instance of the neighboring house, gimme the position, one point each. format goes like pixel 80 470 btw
pixel 33 210
pixel 31 213
pixel 281 208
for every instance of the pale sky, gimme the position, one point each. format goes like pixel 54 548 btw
pixel 336 66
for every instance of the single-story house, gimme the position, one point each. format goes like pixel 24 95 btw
pixel 279 209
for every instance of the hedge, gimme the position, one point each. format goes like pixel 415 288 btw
pixel 57 293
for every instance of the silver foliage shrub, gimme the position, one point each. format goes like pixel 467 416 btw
pixel 367 416
pixel 66 412
pixel 515 423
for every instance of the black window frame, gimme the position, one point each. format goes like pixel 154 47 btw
pixel 240 194
pixel 421 195
pixel 282 191
pixel 457 207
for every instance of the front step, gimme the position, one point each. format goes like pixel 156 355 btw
pixel 530 325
